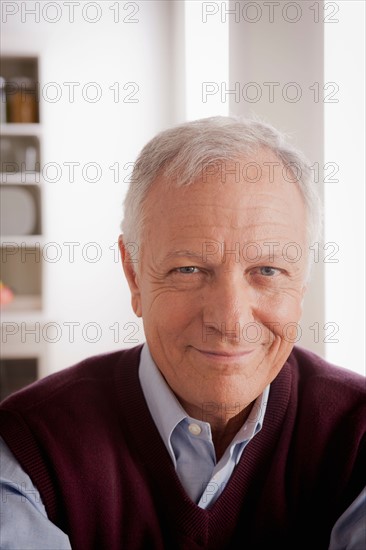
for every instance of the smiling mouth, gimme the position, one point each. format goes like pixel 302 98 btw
pixel 225 355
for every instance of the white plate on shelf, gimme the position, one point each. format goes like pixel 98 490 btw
pixel 18 211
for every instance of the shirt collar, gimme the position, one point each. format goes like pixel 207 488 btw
pixel 167 412
pixel 164 407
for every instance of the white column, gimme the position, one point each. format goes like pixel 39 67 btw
pixel 344 186
pixel 206 31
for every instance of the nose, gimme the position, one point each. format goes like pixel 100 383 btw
pixel 229 305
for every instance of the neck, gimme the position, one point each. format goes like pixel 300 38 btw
pixel 223 427
pixel 222 435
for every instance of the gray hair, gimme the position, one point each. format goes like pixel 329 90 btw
pixel 181 153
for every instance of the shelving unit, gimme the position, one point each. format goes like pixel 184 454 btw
pixel 21 231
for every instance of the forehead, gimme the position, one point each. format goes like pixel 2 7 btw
pixel 231 192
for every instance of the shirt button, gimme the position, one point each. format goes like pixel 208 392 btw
pixel 195 429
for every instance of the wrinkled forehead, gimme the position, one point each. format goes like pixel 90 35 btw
pixel 227 204
pixel 234 179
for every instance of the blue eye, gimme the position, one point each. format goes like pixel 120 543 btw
pixel 187 270
pixel 268 271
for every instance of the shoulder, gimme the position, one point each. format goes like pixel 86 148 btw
pixel 313 369
pixel 91 374
pixel 327 394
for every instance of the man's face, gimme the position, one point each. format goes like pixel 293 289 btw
pixel 221 281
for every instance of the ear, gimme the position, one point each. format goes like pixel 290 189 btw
pixel 131 276
pixel 303 290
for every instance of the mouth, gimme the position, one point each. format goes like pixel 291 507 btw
pixel 227 356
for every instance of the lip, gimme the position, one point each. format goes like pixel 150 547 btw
pixel 224 355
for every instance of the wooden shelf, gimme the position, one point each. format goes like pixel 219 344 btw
pixel 29 317
pixel 21 129
pixel 28 241
pixel 20 178
pixel 24 304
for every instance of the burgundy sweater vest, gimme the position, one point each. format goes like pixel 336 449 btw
pixel 86 438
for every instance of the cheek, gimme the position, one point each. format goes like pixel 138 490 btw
pixel 282 315
pixel 171 313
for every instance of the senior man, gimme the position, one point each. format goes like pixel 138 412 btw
pixel 218 432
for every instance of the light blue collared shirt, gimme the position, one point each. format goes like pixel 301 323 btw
pixel 23 518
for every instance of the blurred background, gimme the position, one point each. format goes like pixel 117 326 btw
pixel 84 85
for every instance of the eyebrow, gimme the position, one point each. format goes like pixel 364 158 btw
pixel 184 252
